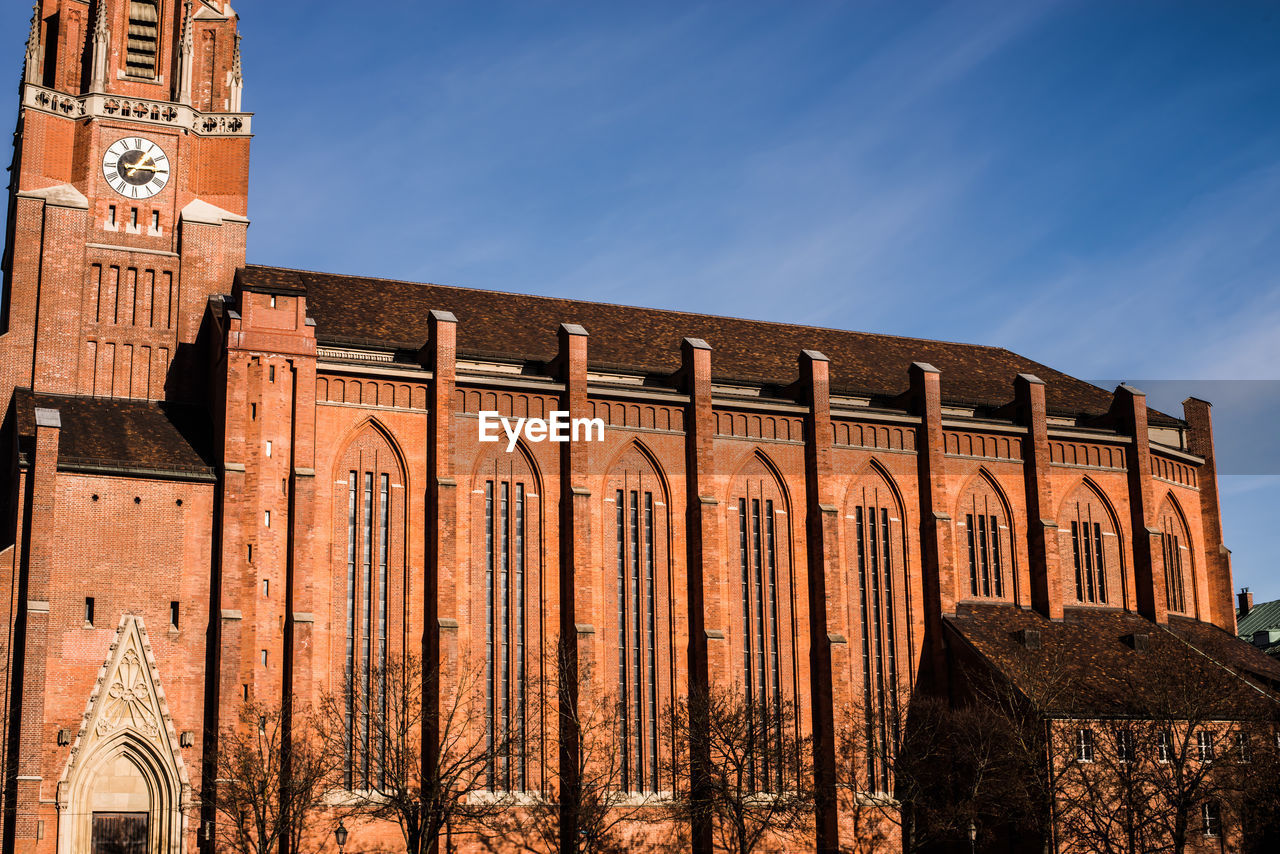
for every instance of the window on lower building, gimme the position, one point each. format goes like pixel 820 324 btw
pixel 1244 747
pixel 1204 745
pixel 88 610
pixel 1124 745
pixel 1211 815
pixel 1084 745
pixel 1164 747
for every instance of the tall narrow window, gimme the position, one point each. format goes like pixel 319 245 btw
pixel 637 662
pixel 1205 751
pixel 349 670
pixel 504 628
pixel 366 640
pixel 520 737
pixel 637 621
pixel 1084 745
pixel 640 619
pixel 371 536
pixel 384 543
pixel 1125 751
pixel 761 668
pixel 488 628
pixel 771 555
pixel 1211 814
pixel 1174 588
pixel 869 720
pixel 506 538
pixel 1095 549
pixel 624 706
pixel 144 39
pixel 747 681
pixel 986 528
pixel 650 683
pixel 876 545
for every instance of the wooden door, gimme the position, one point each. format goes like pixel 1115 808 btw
pixel 120 832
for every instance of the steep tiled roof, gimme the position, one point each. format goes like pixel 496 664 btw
pixel 111 434
pixel 351 309
pixel 1105 671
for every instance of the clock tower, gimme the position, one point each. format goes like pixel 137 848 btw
pixel 128 195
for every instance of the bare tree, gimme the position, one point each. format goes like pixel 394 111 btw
pixel 273 776
pixel 593 789
pixel 759 782
pixel 378 735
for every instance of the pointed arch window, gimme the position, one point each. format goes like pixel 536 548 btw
pixel 878 554
pixel 764 615
pixel 507 489
pixel 1176 551
pixel 143 49
pixel 635 505
pixel 370 482
pixel 987 541
pixel 1090 542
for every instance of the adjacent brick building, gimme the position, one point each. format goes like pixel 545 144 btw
pixel 228 482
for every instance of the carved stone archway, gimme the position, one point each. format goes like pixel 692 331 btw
pixel 125 758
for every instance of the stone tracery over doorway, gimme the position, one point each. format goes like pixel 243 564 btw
pixel 125 789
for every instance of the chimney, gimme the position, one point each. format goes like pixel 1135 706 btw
pixel 1246 603
pixel 1138 642
pixel 1030 638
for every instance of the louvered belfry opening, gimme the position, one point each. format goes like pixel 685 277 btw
pixel 144 39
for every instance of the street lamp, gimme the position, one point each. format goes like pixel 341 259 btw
pixel 341 835
pixel 973 836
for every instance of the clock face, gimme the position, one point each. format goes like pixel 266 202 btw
pixel 136 168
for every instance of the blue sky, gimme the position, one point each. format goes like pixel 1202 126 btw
pixel 1091 184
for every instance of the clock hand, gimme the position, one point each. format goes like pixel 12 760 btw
pixel 142 164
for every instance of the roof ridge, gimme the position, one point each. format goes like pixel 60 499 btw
pixel 675 311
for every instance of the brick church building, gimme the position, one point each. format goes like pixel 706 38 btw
pixel 228 483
